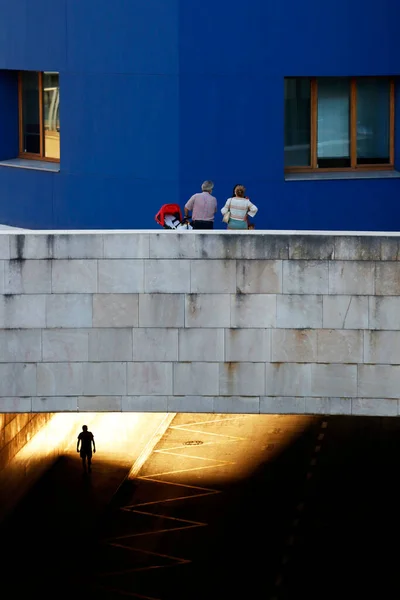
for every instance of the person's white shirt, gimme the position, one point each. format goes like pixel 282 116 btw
pixel 239 208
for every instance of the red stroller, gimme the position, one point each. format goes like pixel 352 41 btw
pixel 170 217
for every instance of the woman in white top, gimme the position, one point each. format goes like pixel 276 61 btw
pixel 239 208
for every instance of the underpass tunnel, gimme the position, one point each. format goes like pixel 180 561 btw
pixel 178 503
pixel 31 443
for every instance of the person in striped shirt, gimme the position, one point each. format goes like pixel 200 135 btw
pixel 240 208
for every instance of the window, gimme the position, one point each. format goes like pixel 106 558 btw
pixel 39 115
pixel 339 123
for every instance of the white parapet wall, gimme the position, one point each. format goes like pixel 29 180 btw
pixel 269 322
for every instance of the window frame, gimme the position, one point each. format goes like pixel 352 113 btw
pixel 21 153
pixel 313 167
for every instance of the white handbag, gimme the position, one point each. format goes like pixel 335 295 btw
pixel 227 216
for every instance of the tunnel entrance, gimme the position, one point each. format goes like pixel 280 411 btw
pixel 211 506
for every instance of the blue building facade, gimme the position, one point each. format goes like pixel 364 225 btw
pixel 158 95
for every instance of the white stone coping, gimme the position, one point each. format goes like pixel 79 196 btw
pixel 9 230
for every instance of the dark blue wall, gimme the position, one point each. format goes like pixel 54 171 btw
pixel 158 95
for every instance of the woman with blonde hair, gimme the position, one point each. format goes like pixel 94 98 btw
pixel 238 208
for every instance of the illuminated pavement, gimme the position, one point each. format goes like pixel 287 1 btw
pixel 204 518
pixel 235 507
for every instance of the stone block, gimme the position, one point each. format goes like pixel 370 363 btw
pixel 345 312
pixel 247 345
pixel 196 379
pixel 288 379
pixel 68 310
pixel 384 313
pixel 191 404
pixel 253 310
pixel 382 347
pixel 333 380
pixel 22 312
pixel 357 248
pixel 346 277
pixel 2 276
pixel 59 379
pixel 115 310
pixel 126 245
pixel 55 404
pixel 172 245
pixel 299 312
pixel 259 276
pixel 121 276
pixel 237 404
pixel 100 403
pixel 104 379
pixel 263 246
pixel 74 276
pixel 378 381
pixel 77 245
pixel 201 345
pixel 20 345
pixel 207 310
pixel 65 345
pixel 215 245
pixel 340 406
pixel 305 277
pixel 16 405
pixel 390 248
pixel 167 276
pixel 242 379
pixel 212 276
pixel 17 379
pixel 27 276
pixel 161 310
pixel 282 405
pixel 31 246
pixel 110 345
pixel 311 247
pixel 155 344
pixel 340 346
pixel 317 406
pixel 149 378
pixel 145 404
pixel 376 407
pixel 4 246
pixel 387 279
pixel 294 345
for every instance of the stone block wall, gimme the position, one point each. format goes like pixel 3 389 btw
pixel 206 322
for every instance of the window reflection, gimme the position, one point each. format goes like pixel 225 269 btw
pixel 297 122
pixel 333 144
pixel 51 114
pixel 373 121
pixel 30 112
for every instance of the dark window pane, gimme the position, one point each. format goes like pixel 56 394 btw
pixel 30 112
pixel 51 114
pixel 373 121
pixel 297 122
pixel 333 141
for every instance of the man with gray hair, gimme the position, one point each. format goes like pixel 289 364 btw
pixel 203 207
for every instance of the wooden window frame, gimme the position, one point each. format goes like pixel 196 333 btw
pixel 30 155
pixel 313 167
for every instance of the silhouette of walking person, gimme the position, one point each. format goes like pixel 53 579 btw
pixel 85 441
